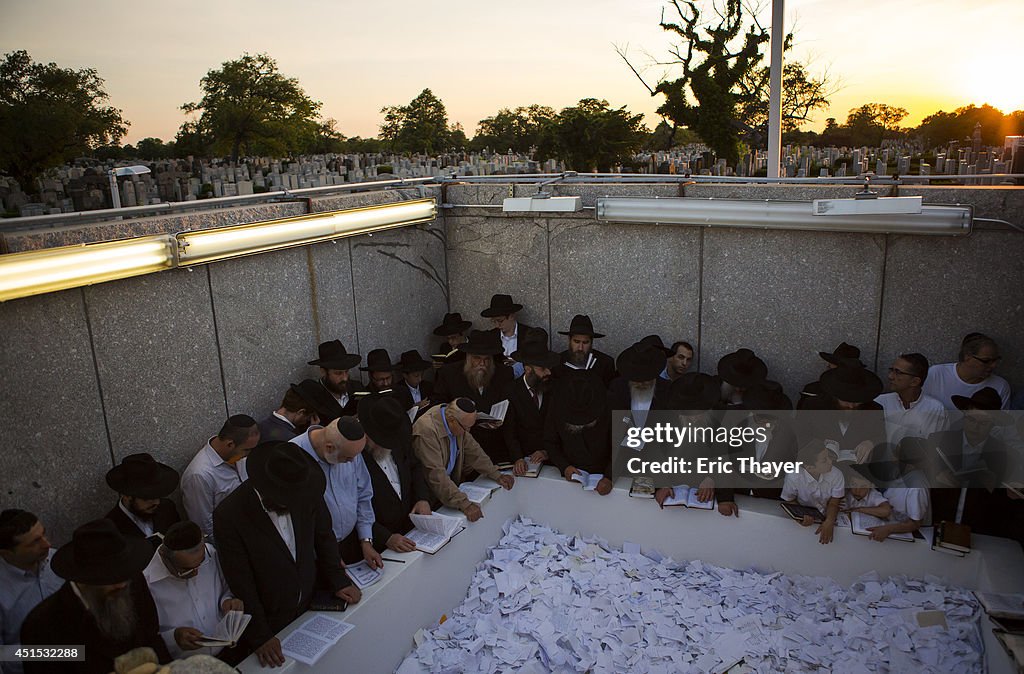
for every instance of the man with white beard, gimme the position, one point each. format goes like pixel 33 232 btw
pixel 484 381
pixel 639 388
pixel 104 606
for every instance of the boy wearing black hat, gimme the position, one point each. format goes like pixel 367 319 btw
pixel 142 511
pixel 299 408
pixel 412 389
pixel 503 312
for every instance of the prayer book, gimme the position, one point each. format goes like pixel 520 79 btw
pixel 797 511
pixel 412 412
pixel 362 575
pixel 228 631
pixel 1014 645
pixel 432 532
pixel 952 538
pixel 313 638
pixel 324 600
pixel 496 413
pixel 1000 605
pixel 962 475
pixel 443 357
pixel 588 480
pixel 532 469
pixel 1015 488
pixel 687 497
pixel 860 522
pixel 641 488
pixel 474 492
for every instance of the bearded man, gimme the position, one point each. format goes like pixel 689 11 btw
pixel 529 403
pixel 581 354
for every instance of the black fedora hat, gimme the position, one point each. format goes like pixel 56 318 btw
pixel 333 356
pixel 384 421
pixel 285 474
pixel 412 361
pixel 641 362
pixel 378 360
pixel 742 368
pixel 844 354
pixel 768 395
pixel 986 399
pixel 580 398
pixel 536 352
pixel 655 341
pixel 852 384
pixel 694 391
pixel 482 343
pixel 452 325
pixel 99 554
pixel 315 396
pixel 141 476
pixel 501 305
pixel 581 325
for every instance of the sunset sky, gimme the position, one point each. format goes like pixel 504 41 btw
pixel 357 57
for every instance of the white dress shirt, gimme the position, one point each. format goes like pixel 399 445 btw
pixel 206 482
pixel 417 397
pixel 816 492
pixel 387 464
pixel 193 602
pixel 924 416
pixel 510 344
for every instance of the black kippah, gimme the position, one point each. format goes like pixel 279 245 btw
pixel 183 536
pixel 8 515
pixel 350 428
pixel 466 405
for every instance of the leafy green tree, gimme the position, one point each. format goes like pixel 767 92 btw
pixel 154 148
pixel 248 105
pixel 593 136
pixel 326 139
pixel 420 126
pixel 49 115
pixel 517 130
pixel 802 95
pixel 943 127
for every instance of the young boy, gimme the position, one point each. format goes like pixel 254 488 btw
pixel 819 484
pixel 862 497
pixel 911 502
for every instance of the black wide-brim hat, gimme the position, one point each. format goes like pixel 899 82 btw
pixel 412 361
pixel 844 354
pixel 141 476
pixel 742 368
pixel 334 356
pixel 694 391
pixel 315 396
pixel 384 421
pixel 452 325
pixel 285 474
pixel 768 395
pixel 501 305
pixel 655 341
pixel 581 325
pixel 99 554
pixel 378 360
pixel 641 362
pixel 851 384
pixel 986 399
pixel 482 343
pixel 537 354
pixel 580 398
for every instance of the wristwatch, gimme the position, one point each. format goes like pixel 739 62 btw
pixel 366 540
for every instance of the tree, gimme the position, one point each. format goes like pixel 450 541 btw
pixel 49 115
pixel 593 136
pixel 249 105
pixel 154 148
pixel 517 130
pixel 421 126
pixel 802 94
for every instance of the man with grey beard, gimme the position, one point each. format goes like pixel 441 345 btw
pixel 484 381
pixel 104 605
pixel 639 389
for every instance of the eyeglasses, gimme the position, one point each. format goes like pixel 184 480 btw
pixel 986 361
pixel 893 370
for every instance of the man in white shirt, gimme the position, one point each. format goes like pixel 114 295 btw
pixel 908 410
pixel 973 371
pixel 189 590
pixel 213 472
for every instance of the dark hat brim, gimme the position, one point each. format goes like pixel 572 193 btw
pixel 163 482
pixel 416 366
pixel 346 362
pixel 452 328
pixel 311 488
pixel 863 391
pixel 135 557
pixel 641 365
pixel 840 361
pixel 590 333
pixel 548 359
pixel 379 367
pixel 491 312
pixel 728 372
pixel 385 436
pixel 963 403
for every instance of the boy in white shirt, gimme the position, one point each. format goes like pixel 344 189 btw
pixel 819 485
pixel 862 497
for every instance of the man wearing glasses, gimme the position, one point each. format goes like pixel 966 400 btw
pixel 973 371
pixel 908 411
pixel 189 590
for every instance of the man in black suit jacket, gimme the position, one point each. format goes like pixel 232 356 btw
pixel 410 388
pixel 581 354
pixel 399 484
pixel 482 380
pixel 273 536
pixel 528 405
pixel 334 362
pixel 301 406
pixel 142 511
pixel 639 388
pixel 103 607
pixel 503 313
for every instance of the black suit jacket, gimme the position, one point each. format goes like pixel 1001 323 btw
pixel 781 447
pixel 603 367
pixel 260 570
pixel 390 511
pixel 166 514
pixel 451 384
pixel 62 619
pixel 867 423
pixel 524 422
pixel 328 407
pixel 273 429
pixel 401 392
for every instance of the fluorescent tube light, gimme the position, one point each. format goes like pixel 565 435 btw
pixel 542 204
pixel 207 245
pixel 780 215
pixel 43 271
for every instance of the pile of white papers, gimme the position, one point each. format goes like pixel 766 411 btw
pixel 544 602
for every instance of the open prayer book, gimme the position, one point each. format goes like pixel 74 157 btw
pixel 362 575
pixel 588 480
pixel 642 487
pixel 228 631
pixel 532 469
pixel 1002 605
pixel 962 475
pixel 431 532
pixel 687 497
pixel 860 522
pixel 477 493
pixel 496 413
pixel 797 511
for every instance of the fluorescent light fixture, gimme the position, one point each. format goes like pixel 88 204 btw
pixel 780 215
pixel 542 204
pixel 225 242
pixel 44 271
